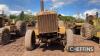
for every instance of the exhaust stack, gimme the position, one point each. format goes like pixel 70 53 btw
pixel 96 14
pixel 87 17
pixel 42 5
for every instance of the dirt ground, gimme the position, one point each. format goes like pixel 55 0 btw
pixel 16 48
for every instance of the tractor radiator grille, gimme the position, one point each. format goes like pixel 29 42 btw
pixel 47 23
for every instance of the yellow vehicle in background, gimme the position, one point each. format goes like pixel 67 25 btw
pixel 9 29
pixel 91 27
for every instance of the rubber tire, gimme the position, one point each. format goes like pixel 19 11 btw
pixel 5 37
pixel 86 31
pixel 21 27
pixel 69 39
pixel 30 40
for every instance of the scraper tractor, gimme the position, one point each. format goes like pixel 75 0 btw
pixel 9 29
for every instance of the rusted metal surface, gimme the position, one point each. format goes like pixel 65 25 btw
pixel 47 23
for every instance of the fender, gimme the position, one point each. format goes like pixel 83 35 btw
pixel 62 29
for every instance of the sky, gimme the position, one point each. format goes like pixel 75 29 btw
pixel 64 7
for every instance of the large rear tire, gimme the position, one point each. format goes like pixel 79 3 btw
pixel 30 40
pixel 21 27
pixel 5 36
pixel 69 39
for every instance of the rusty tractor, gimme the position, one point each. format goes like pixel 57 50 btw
pixel 48 29
pixel 8 29
pixel 91 27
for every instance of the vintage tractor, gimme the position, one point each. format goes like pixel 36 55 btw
pixel 91 27
pixel 8 29
pixel 48 29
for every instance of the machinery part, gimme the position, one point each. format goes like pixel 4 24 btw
pixel 99 40
pixel 45 25
pixel 31 23
pixel 42 5
pixel 61 27
pixel 21 27
pixel 5 36
pixel 69 38
pixel 87 31
pixel 1 22
pixel 30 40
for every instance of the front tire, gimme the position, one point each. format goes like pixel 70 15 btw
pixel 5 36
pixel 30 40
pixel 69 38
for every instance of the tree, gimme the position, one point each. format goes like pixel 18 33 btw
pixel 29 17
pixel 66 18
pixel 22 16
pixel 13 16
pixel 79 20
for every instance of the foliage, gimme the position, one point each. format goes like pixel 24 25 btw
pixel 66 18
pixel 13 16
pixel 22 16
pixel 79 20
